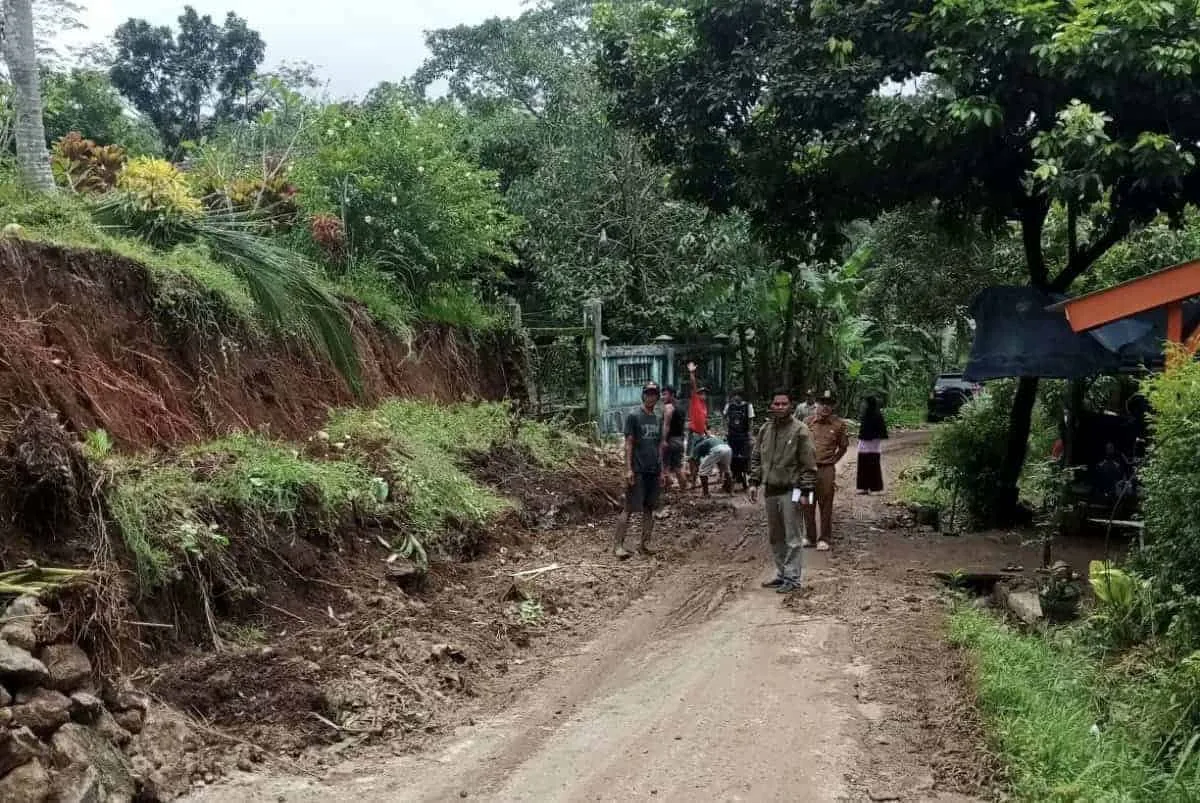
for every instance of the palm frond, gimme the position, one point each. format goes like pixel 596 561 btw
pixel 285 287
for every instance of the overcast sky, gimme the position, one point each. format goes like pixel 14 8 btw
pixel 355 43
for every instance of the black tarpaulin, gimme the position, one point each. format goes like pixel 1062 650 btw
pixel 1016 335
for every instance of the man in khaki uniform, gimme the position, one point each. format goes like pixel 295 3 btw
pixel 783 463
pixel 830 442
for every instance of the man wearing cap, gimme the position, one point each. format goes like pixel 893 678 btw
pixel 808 408
pixel 643 470
pixel 831 439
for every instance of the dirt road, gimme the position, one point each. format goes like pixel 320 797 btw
pixel 710 688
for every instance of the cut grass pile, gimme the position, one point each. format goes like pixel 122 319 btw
pixel 1070 728
pixel 399 461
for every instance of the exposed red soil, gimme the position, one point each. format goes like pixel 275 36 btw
pixel 82 336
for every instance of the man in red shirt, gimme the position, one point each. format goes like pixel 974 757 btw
pixel 697 421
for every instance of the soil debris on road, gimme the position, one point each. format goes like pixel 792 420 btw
pixel 706 687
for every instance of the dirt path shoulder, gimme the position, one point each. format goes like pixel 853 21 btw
pixel 710 688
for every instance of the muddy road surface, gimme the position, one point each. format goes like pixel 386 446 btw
pixel 708 687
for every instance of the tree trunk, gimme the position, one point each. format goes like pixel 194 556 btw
pixel 749 386
pixel 20 55
pixel 1019 420
pixel 789 337
pixel 1020 417
pixel 762 353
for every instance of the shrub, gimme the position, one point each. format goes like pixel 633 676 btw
pixel 329 233
pixel 84 166
pixel 271 199
pixel 1171 479
pixel 153 200
pixel 408 197
pixel 967 452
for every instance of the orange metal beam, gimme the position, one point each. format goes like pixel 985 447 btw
pixel 1175 322
pixel 1163 288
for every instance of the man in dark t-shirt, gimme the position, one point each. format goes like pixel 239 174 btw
pixel 643 470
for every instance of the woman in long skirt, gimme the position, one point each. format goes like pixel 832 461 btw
pixel 872 432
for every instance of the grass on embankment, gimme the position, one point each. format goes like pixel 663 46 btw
pixel 199 293
pixel 400 461
pixel 1041 700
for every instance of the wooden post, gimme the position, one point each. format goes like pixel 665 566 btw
pixel 594 340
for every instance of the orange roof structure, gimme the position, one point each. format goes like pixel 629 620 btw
pixel 1169 288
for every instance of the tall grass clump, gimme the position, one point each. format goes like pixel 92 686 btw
pixel 1067 727
pixel 169 510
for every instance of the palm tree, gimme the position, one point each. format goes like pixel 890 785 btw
pixel 19 49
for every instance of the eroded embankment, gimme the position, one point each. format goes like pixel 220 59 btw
pixel 98 339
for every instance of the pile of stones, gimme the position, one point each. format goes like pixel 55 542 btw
pixel 62 731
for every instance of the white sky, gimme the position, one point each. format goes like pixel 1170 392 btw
pixel 354 43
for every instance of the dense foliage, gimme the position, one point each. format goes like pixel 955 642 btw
pixel 182 81
pixel 1171 479
pixel 997 114
pixel 406 197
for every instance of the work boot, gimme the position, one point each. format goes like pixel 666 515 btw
pixel 776 582
pixel 788 586
pixel 619 549
pixel 647 530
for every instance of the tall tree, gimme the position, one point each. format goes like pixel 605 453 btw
pixel 602 222
pixel 85 100
pixel 181 81
pixel 810 114
pixel 20 56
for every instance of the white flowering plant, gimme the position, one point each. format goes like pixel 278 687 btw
pixel 409 195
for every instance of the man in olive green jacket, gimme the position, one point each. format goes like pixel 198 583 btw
pixel 784 464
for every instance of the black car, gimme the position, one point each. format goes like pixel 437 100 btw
pixel 950 392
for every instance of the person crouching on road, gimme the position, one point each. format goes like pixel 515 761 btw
pixel 643 470
pixel 784 465
pixel 716 460
pixel 831 440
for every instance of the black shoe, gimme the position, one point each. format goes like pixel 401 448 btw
pixel 787 587
pixel 776 583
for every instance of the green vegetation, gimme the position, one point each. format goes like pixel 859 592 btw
pixel 1066 156
pixel 401 461
pixel 1071 728
pixel 1171 479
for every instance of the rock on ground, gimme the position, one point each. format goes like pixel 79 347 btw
pixel 68 666
pixel 1025 605
pixel 29 783
pixel 85 707
pixel 45 711
pixel 77 747
pixel 19 668
pixel 18 747
pixel 20 634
